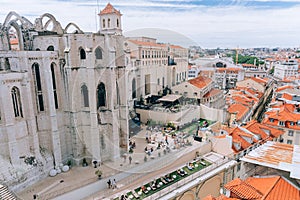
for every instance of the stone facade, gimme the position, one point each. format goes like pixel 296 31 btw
pixel 63 95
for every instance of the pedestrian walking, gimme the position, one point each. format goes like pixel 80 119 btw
pixel 130 159
pixel 166 139
pixel 109 183
pixel 114 184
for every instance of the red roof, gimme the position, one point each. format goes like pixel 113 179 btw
pixel 151 44
pixel 212 93
pixel 109 9
pixel 200 82
pixel 266 188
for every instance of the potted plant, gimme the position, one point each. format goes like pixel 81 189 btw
pixel 98 173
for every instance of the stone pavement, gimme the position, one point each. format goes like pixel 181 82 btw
pixel 85 179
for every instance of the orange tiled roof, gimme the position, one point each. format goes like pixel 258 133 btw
pixel 176 47
pixel 14 41
pixel 150 44
pixel 239 109
pixel 200 81
pixel 285 113
pixel 259 80
pixel 284 87
pixel 231 69
pixel 109 9
pixel 261 129
pixel 212 92
pixel 266 188
pixel 248 65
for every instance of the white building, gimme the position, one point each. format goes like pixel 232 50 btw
pixel 63 95
pixel 286 69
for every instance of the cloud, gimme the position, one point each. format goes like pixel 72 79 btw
pixel 209 23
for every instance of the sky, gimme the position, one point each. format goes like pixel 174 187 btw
pixel 205 23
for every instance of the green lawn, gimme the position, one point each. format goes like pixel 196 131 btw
pixel 197 167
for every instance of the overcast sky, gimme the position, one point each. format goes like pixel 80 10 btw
pixel 207 23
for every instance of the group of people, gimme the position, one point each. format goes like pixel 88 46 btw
pixel 149 151
pixel 112 184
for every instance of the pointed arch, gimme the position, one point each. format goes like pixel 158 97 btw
pixel 98 53
pixel 53 69
pixel 78 30
pixel 56 25
pixel 16 26
pixel 84 96
pixel 82 53
pixel 16 99
pixel 38 86
pixel 25 22
pixel 133 88
pixel 101 95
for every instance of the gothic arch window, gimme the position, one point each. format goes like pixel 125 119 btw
pixel 98 53
pixel 103 23
pixel 101 95
pixel 108 23
pixel 50 48
pixel 133 88
pixel 85 96
pixel 54 85
pixel 38 86
pixel 118 23
pixel 82 54
pixel 16 99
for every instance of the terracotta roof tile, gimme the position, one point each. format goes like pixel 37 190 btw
pixel 200 82
pixel 149 44
pixel 266 188
pixel 212 92
pixel 109 9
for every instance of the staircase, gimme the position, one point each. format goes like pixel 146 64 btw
pixel 5 194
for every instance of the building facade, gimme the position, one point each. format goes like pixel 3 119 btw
pixel 63 95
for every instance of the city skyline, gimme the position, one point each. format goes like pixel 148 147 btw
pixel 206 23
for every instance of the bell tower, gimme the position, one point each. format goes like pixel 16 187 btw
pixel 110 20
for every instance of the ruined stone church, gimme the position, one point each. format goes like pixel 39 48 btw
pixel 63 95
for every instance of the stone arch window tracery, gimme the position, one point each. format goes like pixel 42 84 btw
pixel 108 22
pixel 82 54
pixel 103 23
pixel 54 85
pixel 101 95
pixel 85 96
pixel 118 23
pixel 38 87
pixel 98 53
pixel 16 99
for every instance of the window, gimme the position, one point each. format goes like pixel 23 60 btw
pixel 82 54
pixel 158 81
pixel 15 95
pixel 238 167
pixel 271 120
pixel 289 141
pixel 85 96
pixel 98 53
pixel 38 86
pixel 163 82
pixel 50 48
pixel 103 23
pixel 281 123
pixel 54 85
pixel 291 133
pixel 292 123
pixel 101 95
pixel 108 23
pixel 118 23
